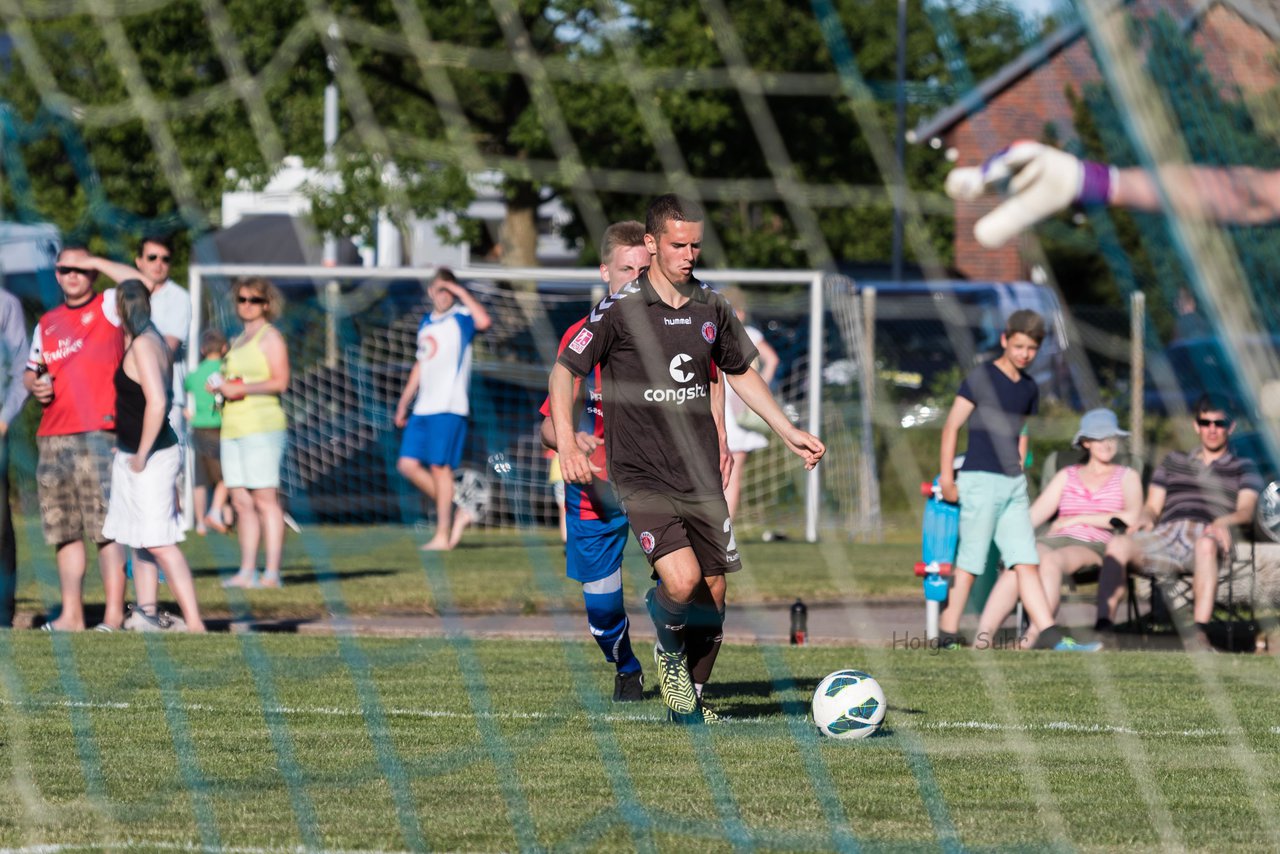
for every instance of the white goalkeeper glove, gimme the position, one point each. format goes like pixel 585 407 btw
pixel 1040 181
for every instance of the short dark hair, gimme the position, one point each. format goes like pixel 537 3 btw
pixel 71 247
pixel 1027 322
pixel 158 239
pixel 133 300
pixel 670 207
pixel 212 341
pixel 446 273
pixel 626 233
pixel 1210 402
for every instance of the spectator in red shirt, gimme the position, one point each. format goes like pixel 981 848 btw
pixel 75 349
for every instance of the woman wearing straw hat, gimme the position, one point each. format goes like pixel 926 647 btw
pixel 1084 498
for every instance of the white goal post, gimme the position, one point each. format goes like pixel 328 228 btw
pixel 814 279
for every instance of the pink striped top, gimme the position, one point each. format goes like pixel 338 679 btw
pixel 1077 500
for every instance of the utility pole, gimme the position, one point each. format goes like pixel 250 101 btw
pixel 333 291
pixel 900 181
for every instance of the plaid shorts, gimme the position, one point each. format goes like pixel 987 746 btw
pixel 73 481
pixel 1170 548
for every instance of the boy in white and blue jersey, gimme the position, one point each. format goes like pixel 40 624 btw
pixel 439 386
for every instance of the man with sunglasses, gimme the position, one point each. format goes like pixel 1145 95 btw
pixel 1185 527
pixel 171 313
pixel 75 350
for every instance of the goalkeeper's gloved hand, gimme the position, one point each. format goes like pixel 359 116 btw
pixel 1040 181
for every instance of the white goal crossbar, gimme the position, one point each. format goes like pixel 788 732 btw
pixel 814 278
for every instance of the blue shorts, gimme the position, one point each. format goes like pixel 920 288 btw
pixel 435 440
pixel 593 548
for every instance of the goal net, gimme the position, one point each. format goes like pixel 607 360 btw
pixel 352 341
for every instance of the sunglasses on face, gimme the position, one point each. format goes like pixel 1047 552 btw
pixel 67 271
pixel 164 259
pixel 251 300
pixel 1224 423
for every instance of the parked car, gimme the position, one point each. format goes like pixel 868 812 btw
pixel 925 329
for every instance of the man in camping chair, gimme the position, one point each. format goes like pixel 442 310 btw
pixel 1194 501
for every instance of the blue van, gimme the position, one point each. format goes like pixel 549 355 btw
pixel 926 328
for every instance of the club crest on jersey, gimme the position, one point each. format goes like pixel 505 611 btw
pixel 709 332
pixel 581 340
pixel 647 542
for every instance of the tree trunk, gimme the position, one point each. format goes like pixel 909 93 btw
pixel 520 225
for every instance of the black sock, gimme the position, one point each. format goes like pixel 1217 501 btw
pixel 1049 638
pixel 669 618
pixel 703 637
pixel 1110 579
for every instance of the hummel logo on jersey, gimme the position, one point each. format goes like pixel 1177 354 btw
pixel 678 321
pixel 678 373
pixel 597 313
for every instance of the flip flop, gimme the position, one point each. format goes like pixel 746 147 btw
pixel 215 524
pixel 103 627
pixel 235 581
pixel 274 582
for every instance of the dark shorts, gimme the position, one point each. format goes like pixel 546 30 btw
pixel 665 523
pixel 208 457
pixel 73 482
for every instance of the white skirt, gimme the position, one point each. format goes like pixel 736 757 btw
pixel 739 439
pixel 143 512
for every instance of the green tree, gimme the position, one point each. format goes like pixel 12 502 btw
pixel 152 116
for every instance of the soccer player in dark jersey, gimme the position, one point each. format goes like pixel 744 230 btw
pixel 594 521
pixel 656 341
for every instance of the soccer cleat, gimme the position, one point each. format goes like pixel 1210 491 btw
pixel 710 717
pixel 677 687
pixel 628 687
pixel 700 715
pixel 1071 645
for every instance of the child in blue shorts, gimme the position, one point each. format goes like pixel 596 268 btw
pixel 995 400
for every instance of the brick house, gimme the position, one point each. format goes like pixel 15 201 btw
pixel 1239 40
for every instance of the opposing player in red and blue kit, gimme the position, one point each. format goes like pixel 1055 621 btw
pixel 658 342
pixel 594 520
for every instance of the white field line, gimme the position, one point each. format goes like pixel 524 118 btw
pixel 336 711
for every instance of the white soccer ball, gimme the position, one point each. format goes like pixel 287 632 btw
pixel 848 704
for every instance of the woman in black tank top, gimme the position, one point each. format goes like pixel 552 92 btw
pixel 143 513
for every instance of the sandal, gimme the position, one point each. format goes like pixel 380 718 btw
pixel 103 627
pixel 215 524
pixel 240 580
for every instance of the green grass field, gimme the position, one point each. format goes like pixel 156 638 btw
pixel 276 742
pixel 272 742
pixel 378 569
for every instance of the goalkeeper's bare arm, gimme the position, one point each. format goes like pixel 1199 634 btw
pixel 1042 180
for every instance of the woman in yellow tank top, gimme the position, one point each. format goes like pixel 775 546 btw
pixel 253 430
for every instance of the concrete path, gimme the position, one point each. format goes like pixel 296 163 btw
pixel 897 623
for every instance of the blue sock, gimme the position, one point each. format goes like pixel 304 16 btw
pixel 607 619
